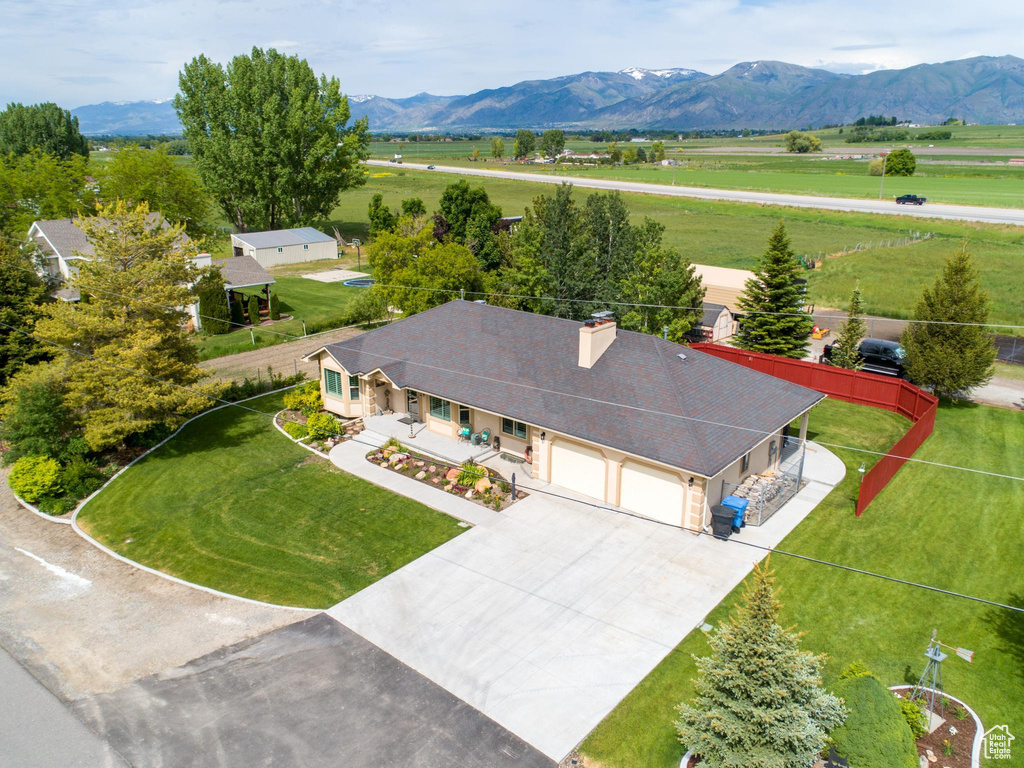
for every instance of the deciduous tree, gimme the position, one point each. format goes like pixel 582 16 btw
pixel 658 151
pixel 139 270
pixel 271 142
pixel 39 186
pixel 497 148
pixel 526 141
pixel 42 127
pixel 760 702
pixel 949 350
pixel 900 162
pixel 382 219
pixel 22 295
pixel 552 142
pixel 800 142
pixel 773 302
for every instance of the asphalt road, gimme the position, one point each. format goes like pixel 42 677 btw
pixel 842 149
pixel 1014 216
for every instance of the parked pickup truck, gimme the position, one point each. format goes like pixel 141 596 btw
pixel 879 356
pixel 910 200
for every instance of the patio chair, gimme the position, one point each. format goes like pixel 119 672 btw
pixel 485 436
pixel 464 433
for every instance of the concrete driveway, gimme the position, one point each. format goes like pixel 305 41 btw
pixel 310 694
pixel 545 616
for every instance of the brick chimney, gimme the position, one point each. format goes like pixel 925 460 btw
pixel 595 337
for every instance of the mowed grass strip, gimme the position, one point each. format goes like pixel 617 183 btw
pixel 947 528
pixel 232 504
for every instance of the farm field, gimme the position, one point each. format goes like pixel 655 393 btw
pixel 917 529
pixel 733 234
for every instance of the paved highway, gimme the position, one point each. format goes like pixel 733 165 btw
pixel 1014 216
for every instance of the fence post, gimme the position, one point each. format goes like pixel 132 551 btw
pixel 252 337
pixel 295 366
pixel 303 327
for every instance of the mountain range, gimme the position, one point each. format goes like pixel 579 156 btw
pixel 757 94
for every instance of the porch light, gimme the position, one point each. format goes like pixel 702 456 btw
pixel 543 435
pixel 689 483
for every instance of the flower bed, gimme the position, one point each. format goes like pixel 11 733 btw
pixel 471 481
pixel 952 743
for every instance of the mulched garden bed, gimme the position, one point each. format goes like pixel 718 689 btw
pixel 958 730
pixel 492 491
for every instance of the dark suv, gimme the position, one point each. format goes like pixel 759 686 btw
pixel 910 200
pixel 879 356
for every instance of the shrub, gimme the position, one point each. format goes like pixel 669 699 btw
pixel 34 420
pixel 254 310
pixel 322 426
pixel 875 735
pixel 855 669
pixel 395 443
pixel 80 477
pixel 240 390
pixel 275 307
pixel 57 505
pixel 305 398
pixel 34 477
pixel 237 315
pixel 915 717
pixel 213 304
pixel 471 472
pixel 875 168
pixel 296 431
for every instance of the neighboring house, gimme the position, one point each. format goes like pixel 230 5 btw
pixel 716 324
pixel 239 272
pixel 285 246
pixel 626 418
pixel 723 285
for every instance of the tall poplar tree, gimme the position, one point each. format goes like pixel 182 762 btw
pixel 760 702
pixel 950 351
pixel 773 302
pixel 271 142
pixel 140 268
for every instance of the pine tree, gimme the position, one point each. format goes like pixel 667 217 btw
pixel 213 304
pixel 275 307
pixel 950 352
pixel 776 321
pixel 139 268
pixel 237 314
pixel 254 310
pixel 760 702
pixel 846 350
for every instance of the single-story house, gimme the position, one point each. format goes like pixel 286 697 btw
pixel 715 324
pixel 626 418
pixel 285 246
pixel 723 285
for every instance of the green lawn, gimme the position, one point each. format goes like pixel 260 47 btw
pixel 232 504
pixel 950 529
pixel 305 300
pixel 733 234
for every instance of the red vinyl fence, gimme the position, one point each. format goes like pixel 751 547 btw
pixel 872 389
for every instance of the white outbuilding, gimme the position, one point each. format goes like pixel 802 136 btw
pixel 285 246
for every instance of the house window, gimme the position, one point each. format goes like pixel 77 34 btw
pixel 440 409
pixel 463 414
pixel 353 387
pixel 332 379
pixel 514 428
pixel 280 250
pixel 305 247
pixel 745 463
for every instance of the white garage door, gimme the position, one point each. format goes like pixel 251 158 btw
pixel 578 468
pixel 652 492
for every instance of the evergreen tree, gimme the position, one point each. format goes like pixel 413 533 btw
pixel 254 309
pixel 275 307
pixel 237 314
pixel 773 301
pixel 22 294
pixel 213 303
pixel 760 702
pixel 846 349
pixel 106 335
pixel 949 351
pixel 381 217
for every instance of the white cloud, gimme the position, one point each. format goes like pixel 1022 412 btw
pixel 96 50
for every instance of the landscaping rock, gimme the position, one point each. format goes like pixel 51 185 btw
pixel 482 485
pixel 435 480
pixel 432 469
pixel 448 487
pixel 469 494
pixel 420 463
pixel 420 475
pixel 453 474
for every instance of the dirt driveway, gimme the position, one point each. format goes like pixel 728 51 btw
pixel 85 623
pixel 284 358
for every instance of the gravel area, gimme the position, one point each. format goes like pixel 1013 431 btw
pixel 284 358
pixel 84 623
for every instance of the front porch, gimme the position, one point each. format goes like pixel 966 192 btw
pixel 416 435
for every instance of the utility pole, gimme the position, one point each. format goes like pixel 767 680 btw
pixel 885 156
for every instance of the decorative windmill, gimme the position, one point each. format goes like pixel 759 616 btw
pixel 930 684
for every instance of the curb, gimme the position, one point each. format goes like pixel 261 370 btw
pixel 979 733
pixel 36 511
pixel 103 548
pixel 297 440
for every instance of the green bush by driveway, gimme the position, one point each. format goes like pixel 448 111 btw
pixel 232 504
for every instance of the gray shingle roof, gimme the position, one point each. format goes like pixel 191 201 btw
pixel 279 238
pixel 711 313
pixel 242 271
pixel 68 241
pixel 700 414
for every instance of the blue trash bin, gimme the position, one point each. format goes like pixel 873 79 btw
pixel 738 504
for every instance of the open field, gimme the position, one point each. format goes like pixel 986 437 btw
pixel 927 526
pixel 232 504
pixel 732 234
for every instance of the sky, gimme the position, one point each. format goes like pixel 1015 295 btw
pixel 84 52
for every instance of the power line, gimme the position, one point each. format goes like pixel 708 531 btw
pixel 610 509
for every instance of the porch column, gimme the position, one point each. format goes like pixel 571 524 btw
pixel 803 426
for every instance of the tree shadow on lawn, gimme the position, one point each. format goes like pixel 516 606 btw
pixel 1009 628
